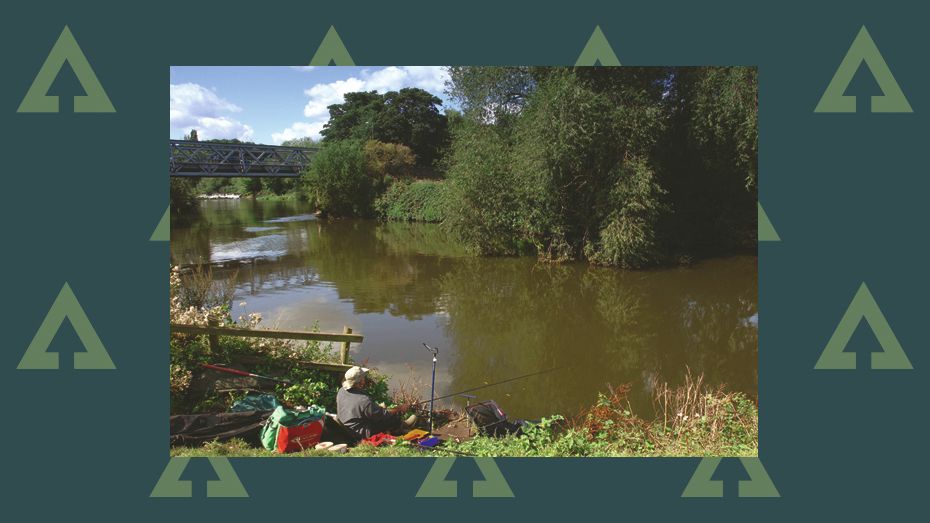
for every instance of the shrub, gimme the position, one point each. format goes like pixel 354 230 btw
pixel 337 181
pixel 481 197
pixel 627 237
pixel 388 160
pixel 421 201
pixel 570 176
pixel 183 194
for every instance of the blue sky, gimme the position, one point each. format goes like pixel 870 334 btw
pixel 272 104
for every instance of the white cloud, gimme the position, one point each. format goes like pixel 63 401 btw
pixel 298 130
pixel 193 106
pixel 324 95
pixel 321 96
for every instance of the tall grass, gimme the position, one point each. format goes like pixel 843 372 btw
pixel 201 288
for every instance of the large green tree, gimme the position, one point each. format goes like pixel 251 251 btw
pixel 620 166
pixel 410 117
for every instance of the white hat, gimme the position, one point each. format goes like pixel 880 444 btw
pixel 353 376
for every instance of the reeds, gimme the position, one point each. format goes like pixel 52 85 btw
pixel 201 288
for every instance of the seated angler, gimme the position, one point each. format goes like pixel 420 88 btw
pixel 360 414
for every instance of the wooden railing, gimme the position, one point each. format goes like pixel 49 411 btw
pixel 215 331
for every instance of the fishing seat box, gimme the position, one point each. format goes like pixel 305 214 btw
pixel 299 437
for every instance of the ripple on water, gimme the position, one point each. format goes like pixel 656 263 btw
pixel 288 219
pixel 268 246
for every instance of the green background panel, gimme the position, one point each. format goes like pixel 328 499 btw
pixel 845 193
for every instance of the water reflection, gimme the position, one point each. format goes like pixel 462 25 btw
pixel 493 318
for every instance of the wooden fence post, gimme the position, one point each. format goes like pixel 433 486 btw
pixel 214 340
pixel 344 352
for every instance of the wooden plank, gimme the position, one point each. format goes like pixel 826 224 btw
pixel 254 333
pixel 344 350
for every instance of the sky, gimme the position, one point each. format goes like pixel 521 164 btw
pixel 271 104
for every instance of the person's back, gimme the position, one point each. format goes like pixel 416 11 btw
pixel 360 414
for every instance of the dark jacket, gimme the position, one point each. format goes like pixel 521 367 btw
pixel 363 416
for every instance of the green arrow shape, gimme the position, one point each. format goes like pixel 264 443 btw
pixel 332 50
pixel 66 49
pixel 435 485
pixel 162 231
pixel 228 484
pixel 700 485
pixel 766 231
pixel 863 49
pixel 66 305
pixel 494 485
pixel 597 51
pixel 759 484
pixel 170 484
pixel 863 305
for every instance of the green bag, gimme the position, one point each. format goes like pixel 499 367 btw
pixel 288 418
pixel 253 401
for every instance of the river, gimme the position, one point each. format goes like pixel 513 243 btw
pixel 403 284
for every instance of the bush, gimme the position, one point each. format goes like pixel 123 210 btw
pixel 421 201
pixel 628 238
pixel 337 181
pixel 388 161
pixel 481 198
pixel 183 194
pixel 570 177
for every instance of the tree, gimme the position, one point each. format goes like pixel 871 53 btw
pixel 710 158
pixel 354 118
pixel 337 181
pixel 305 142
pixel 409 117
pixel 488 93
pixel 621 166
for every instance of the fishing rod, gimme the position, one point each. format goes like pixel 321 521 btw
pixel 493 384
pixel 242 373
pixel 432 387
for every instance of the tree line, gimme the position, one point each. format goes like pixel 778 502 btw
pixel 618 166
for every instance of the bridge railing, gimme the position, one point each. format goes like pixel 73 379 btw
pixel 189 158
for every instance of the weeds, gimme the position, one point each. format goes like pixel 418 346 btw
pixel 200 288
pixel 692 420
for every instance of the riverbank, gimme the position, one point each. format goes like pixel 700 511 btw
pixel 692 421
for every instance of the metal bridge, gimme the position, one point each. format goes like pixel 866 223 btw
pixel 200 159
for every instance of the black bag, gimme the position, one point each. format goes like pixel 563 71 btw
pixel 491 420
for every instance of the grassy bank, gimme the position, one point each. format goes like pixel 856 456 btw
pixel 691 420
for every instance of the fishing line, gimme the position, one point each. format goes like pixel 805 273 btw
pixel 493 384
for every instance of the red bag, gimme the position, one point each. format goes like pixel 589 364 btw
pixel 379 439
pixel 299 437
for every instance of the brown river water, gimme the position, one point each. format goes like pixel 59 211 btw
pixel 403 284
